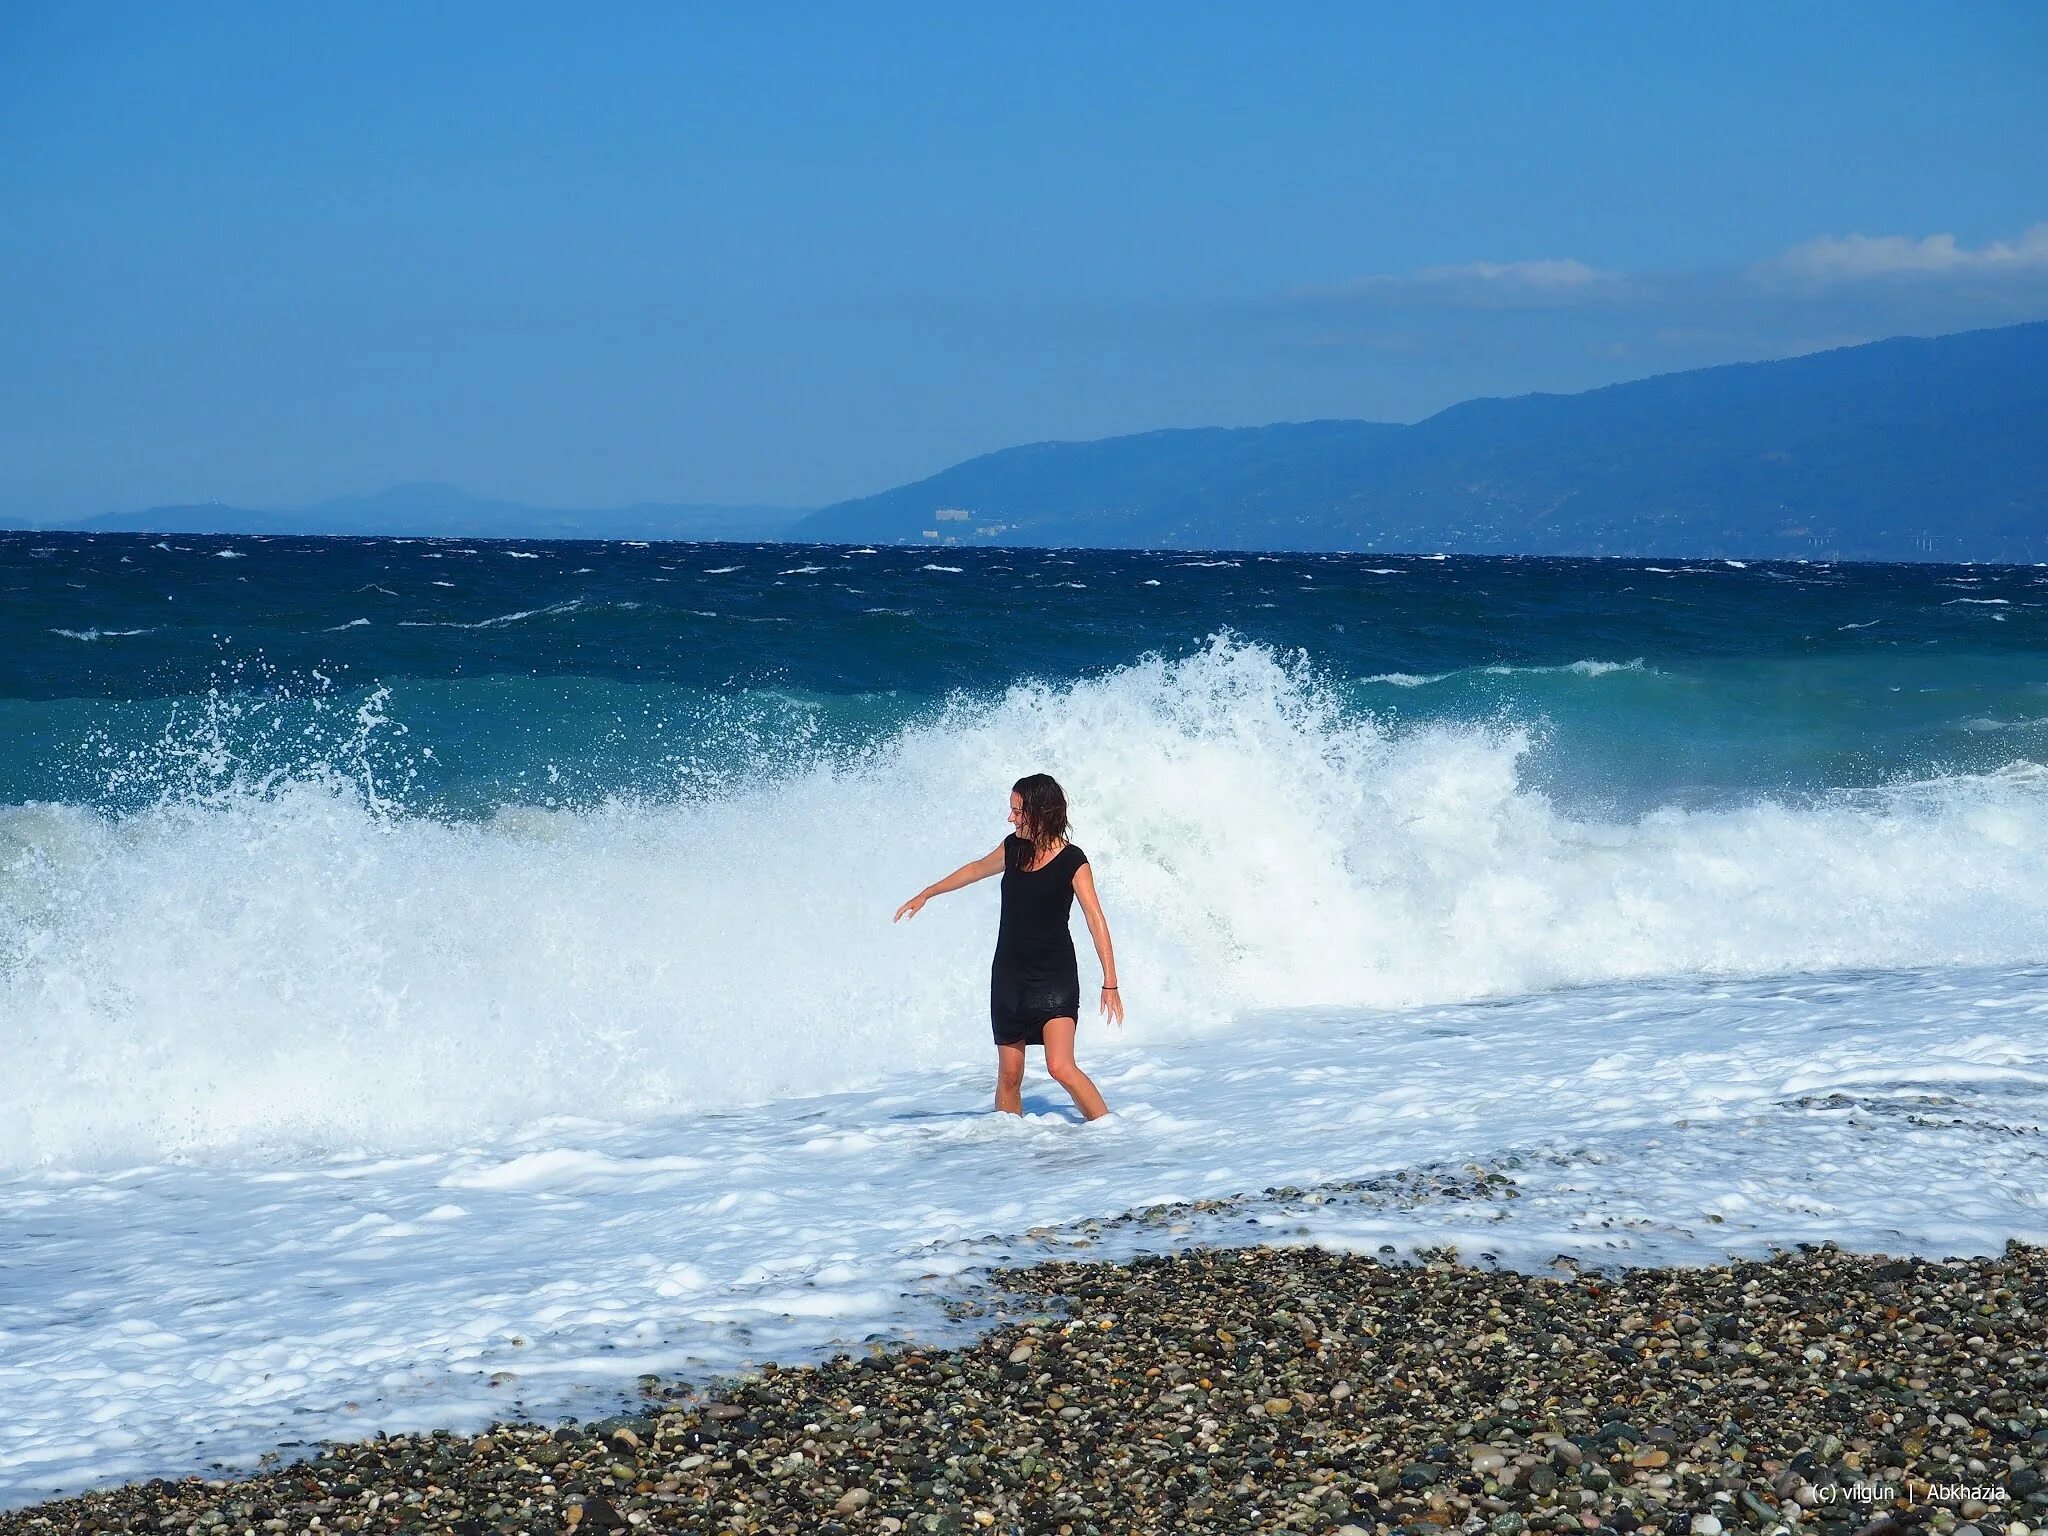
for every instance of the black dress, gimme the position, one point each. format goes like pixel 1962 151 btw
pixel 1034 976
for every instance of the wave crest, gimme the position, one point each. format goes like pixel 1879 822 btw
pixel 289 963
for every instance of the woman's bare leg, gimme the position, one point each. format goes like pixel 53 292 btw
pixel 1059 1061
pixel 1010 1079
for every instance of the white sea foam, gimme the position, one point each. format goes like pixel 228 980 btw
pixel 100 634
pixel 168 1316
pixel 289 968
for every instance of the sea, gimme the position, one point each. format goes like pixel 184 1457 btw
pixel 443 980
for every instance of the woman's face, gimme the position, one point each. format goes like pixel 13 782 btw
pixel 1017 817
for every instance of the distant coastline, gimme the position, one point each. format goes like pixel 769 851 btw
pixel 446 511
pixel 1908 449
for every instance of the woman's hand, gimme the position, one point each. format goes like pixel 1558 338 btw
pixel 910 908
pixel 1112 1006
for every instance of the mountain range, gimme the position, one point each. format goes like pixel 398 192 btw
pixel 1912 448
pixel 1907 449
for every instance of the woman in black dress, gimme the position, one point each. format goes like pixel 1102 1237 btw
pixel 1035 982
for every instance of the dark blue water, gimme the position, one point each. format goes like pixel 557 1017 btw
pixel 459 676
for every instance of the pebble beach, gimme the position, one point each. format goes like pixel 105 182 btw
pixel 1270 1389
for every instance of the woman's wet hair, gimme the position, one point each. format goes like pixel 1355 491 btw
pixel 1045 814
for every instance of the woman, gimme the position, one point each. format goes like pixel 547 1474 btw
pixel 1034 984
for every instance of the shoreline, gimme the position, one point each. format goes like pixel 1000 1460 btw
pixel 1235 1390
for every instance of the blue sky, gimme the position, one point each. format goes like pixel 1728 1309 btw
pixel 590 255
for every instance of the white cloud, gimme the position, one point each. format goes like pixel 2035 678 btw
pixel 1540 284
pixel 1849 284
pixel 1564 273
pixel 1849 258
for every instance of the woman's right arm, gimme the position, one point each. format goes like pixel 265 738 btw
pixel 988 864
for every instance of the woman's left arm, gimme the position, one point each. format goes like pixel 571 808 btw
pixel 1098 929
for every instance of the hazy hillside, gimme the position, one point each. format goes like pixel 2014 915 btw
pixel 1902 449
